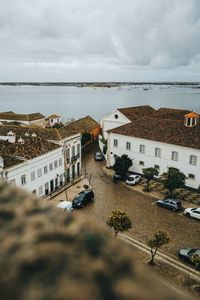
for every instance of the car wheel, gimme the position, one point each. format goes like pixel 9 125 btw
pixel 187 215
pixel 174 209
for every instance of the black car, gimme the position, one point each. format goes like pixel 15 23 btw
pixel 83 198
pixel 186 254
pixel 170 203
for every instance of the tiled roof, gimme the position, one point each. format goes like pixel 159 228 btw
pixel 133 113
pixel 21 117
pixel 53 116
pixel 10 161
pixel 170 113
pixel 162 130
pixel 32 147
pixel 51 134
pixel 86 124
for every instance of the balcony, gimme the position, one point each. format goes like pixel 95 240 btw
pixel 75 157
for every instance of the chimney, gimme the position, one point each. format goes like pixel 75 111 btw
pixel 20 141
pixel 11 138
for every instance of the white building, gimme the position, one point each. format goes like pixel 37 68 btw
pixel 24 119
pixel 166 138
pixel 54 119
pixel 37 164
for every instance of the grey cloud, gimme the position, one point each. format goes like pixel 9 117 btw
pixel 92 36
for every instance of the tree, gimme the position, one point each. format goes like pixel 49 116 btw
pixel 172 180
pixel 122 165
pixel 196 261
pixel 119 221
pixel 160 238
pixel 149 174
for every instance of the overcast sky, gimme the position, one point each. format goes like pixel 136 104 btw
pixel 99 40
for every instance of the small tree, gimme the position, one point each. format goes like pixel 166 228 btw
pixel 149 174
pixel 160 238
pixel 119 221
pixel 172 180
pixel 122 165
pixel 196 260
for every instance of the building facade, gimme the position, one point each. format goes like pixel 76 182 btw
pixel 166 138
pixel 38 165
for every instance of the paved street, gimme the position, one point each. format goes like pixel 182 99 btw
pixel 146 217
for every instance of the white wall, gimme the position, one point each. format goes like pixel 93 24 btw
pixel 53 121
pixel 149 158
pixel 110 121
pixel 28 166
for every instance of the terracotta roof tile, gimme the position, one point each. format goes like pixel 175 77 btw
pixel 86 124
pixel 132 113
pixel 32 147
pixel 21 117
pixel 162 130
pixel 51 134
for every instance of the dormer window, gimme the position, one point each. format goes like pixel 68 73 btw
pixel 191 119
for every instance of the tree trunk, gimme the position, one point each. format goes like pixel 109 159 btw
pixel 116 233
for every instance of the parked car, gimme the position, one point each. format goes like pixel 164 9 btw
pixel 186 254
pixel 98 156
pixel 66 205
pixel 192 212
pixel 172 204
pixel 133 179
pixel 116 178
pixel 83 198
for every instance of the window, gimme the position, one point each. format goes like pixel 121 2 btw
pixel 45 170
pixel 32 175
pixel 40 190
pixel 142 148
pixel 13 181
pixel 39 172
pixel 23 179
pixel 115 143
pixel 50 167
pixel 174 155
pixel 141 163
pixel 193 160
pixel 157 167
pixel 67 155
pixel 60 161
pixel 191 176
pixel 73 151
pixel 157 152
pixel 116 116
pixel 78 148
pixel 55 164
pixel 128 145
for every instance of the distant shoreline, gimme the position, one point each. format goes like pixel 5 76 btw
pixel 100 84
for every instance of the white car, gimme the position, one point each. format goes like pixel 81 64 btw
pixel 192 212
pixel 133 179
pixel 66 205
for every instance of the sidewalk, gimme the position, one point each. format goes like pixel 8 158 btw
pixel 69 193
pixel 157 190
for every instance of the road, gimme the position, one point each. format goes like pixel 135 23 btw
pixel 146 217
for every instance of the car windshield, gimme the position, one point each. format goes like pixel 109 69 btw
pixel 192 251
pixel 131 178
pixel 78 198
